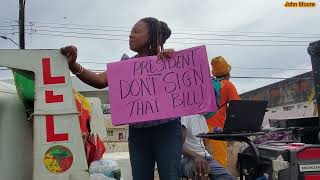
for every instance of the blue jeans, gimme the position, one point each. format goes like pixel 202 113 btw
pixel 161 144
pixel 217 172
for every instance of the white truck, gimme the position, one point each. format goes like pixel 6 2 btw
pixel 47 145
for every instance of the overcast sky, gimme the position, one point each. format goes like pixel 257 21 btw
pixel 191 22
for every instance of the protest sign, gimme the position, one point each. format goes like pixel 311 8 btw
pixel 149 88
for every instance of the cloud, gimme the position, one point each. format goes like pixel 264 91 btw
pixel 197 16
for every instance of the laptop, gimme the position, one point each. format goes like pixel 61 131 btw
pixel 244 116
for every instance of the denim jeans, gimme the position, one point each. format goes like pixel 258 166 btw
pixel 161 144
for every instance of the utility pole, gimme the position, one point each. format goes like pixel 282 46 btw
pixel 21 24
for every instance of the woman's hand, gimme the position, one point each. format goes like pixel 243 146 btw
pixel 166 54
pixel 70 52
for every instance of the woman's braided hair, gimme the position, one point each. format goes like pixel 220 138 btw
pixel 159 32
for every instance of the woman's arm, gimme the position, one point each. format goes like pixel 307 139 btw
pixel 95 80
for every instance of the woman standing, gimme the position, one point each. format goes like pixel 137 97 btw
pixel 150 142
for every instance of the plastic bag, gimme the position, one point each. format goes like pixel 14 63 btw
pixel 106 167
pixel 98 176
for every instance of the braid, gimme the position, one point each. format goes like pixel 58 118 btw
pixel 154 36
pixel 165 33
pixel 159 32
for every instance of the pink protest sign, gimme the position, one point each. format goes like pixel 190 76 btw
pixel 148 88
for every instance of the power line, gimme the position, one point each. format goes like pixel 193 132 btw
pixel 183 38
pixel 81 37
pixel 249 45
pixel 265 77
pixel 182 29
pixel 6 29
pixel 267 68
pixel 7 23
pixel 78 28
pixel 71 24
pixel 81 33
pixel 10 20
pixel 240 40
pixel 193 43
pixel 244 33
pixel 181 33
pixel 248 32
pixel 11 33
pixel 8 26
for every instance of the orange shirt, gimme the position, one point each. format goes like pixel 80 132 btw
pixel 228 92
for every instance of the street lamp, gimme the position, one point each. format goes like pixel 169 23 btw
pixel 6 38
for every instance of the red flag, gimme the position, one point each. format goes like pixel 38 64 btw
pixel 91 149
pixel 101 149
pixel 94 148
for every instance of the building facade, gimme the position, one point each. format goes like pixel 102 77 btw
pixel 289 98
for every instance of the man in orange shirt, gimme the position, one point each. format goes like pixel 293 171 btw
pixel 225 91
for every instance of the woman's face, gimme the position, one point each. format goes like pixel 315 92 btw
pixel 139 37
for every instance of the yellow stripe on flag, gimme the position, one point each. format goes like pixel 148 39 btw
pixel 83 101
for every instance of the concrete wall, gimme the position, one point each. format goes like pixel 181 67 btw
pixel 117 134
pixel 116 147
